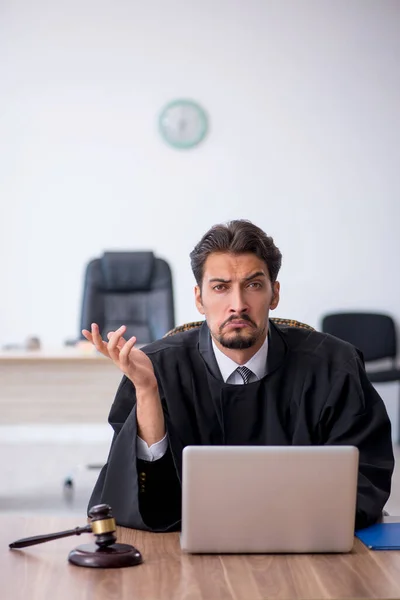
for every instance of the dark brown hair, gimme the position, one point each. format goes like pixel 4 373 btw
pixel 237 237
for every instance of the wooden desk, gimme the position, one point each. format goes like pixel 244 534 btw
pixel 42 572
pixel 65 385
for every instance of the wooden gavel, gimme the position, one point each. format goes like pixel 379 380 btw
pixel 104 553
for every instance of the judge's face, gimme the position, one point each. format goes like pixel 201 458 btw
pixel 236 297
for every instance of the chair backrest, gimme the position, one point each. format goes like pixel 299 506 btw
pixel 372 333
pixel 277 321
pixel 130 288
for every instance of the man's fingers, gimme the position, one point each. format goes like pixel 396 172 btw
pixel 115 346
pixel 97 340
pixel 121 341
pixel 102 347
pixel 96 335
pixel 114 341
pixel 125 352
pixel 87 335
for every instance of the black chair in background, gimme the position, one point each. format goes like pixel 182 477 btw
pixel 372 333
pixel 132 289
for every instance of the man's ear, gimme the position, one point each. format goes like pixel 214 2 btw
pixel 197 297
pixel 275 295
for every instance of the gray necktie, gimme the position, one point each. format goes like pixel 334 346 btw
pixel 245 373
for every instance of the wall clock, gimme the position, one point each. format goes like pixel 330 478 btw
pixel 183 124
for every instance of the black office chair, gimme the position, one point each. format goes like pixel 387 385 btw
pixel 130 288
pixel 372 333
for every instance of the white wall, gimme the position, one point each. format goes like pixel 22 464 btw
pixel 303 99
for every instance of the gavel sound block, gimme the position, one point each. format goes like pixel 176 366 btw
pixel 104 553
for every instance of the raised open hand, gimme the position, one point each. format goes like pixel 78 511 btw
pixel 134 363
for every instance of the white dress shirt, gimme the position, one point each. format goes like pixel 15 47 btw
pixel 257 365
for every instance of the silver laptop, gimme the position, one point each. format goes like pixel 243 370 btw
pixel 268 499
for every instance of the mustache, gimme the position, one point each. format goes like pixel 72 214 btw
pixel 243 317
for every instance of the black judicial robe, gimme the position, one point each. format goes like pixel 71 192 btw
pixel 316 391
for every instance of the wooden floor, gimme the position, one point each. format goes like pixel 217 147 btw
pixel 35 461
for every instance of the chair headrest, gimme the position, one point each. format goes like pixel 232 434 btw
pixel 127 271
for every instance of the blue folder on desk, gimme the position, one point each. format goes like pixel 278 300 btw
pixel 382 536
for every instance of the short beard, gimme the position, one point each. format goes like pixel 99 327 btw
pixel 238 342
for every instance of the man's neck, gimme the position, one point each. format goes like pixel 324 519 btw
pixel 241 357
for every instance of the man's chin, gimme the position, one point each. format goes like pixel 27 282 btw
pixel 237 341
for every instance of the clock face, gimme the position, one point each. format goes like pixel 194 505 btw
pixel 183 124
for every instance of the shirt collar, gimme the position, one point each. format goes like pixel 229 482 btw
pixel 257 363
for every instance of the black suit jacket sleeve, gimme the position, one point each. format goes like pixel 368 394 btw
pixel 143 495
pixel 354 414
pixel 159 492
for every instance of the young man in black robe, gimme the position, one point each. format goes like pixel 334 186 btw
pixel 238 379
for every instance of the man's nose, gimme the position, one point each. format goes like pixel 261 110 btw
pixel 238 301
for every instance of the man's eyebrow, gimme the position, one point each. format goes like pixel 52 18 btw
pixel 257 274
pixel 214 279
pixel 252 276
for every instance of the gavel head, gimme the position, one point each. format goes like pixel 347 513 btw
pixel 103 525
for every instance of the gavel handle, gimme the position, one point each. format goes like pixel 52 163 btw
pixel 39 539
